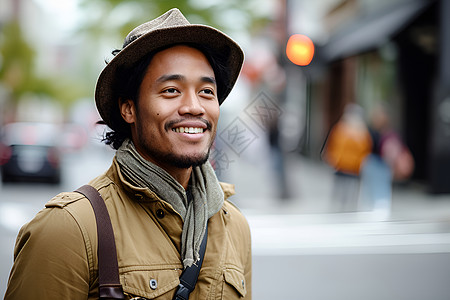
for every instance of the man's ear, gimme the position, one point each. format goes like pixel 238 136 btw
pixel 127 110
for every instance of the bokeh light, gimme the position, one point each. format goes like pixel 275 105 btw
pixel 300 49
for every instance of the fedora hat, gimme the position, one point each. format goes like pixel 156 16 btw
pixel 171 28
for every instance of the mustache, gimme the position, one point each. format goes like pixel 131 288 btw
pixel 171 123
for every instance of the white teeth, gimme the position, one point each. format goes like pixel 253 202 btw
pixel 188 130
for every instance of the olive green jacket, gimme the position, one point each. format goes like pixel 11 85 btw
pixel 55 256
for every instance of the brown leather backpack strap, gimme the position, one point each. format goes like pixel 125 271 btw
pixel 108 269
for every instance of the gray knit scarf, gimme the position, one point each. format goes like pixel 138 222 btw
pixel 207 195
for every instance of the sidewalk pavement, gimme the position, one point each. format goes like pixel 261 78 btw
pixel 304 224
pixel 318 254
pixel 310 185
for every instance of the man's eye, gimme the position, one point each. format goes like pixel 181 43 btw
pixel 170 90
pixel 208 91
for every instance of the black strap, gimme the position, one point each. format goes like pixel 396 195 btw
pixel 189 277
pixel 108 269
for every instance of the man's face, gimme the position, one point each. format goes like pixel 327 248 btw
pixel 175 121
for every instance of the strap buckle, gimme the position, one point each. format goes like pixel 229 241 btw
pixel 182 293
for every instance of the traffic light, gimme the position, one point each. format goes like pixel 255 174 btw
pixel 300 49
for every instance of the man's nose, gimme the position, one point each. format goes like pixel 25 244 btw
pixel 191 104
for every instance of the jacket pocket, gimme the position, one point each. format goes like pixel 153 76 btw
pixel 234 282
pixel 154 284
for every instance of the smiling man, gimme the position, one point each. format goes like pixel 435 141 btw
pixel 173 123
pixel 160 95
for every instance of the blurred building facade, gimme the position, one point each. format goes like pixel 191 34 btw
pixel 393 52
pixel 40 80
pixel 36 33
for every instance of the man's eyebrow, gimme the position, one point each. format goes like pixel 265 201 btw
pixel 209 79
pixel 170 77
pixel 179 77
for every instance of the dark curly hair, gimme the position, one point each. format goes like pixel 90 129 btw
pixel 128 81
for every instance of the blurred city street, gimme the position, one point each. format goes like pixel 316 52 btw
pixel 306 63
pixel 300 249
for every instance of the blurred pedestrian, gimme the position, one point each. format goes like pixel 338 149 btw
pixel 268 78
pixel 390 160
pixel 347 146
pixel 160 95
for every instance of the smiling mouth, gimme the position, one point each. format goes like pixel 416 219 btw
pixel 192 130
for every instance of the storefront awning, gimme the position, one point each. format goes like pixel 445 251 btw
pixel 372 31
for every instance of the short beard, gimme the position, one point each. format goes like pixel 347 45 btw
pixel 178 161
pixel 184 162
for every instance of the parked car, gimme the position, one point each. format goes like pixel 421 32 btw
pixel 30 152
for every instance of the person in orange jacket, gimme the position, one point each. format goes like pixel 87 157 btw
pixel 348 144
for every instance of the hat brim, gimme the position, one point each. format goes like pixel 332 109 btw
pixel 107 102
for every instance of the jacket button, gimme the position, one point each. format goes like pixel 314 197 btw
pixel 160 213
pixel 153 284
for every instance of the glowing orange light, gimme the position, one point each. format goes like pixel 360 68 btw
pixel 300 49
